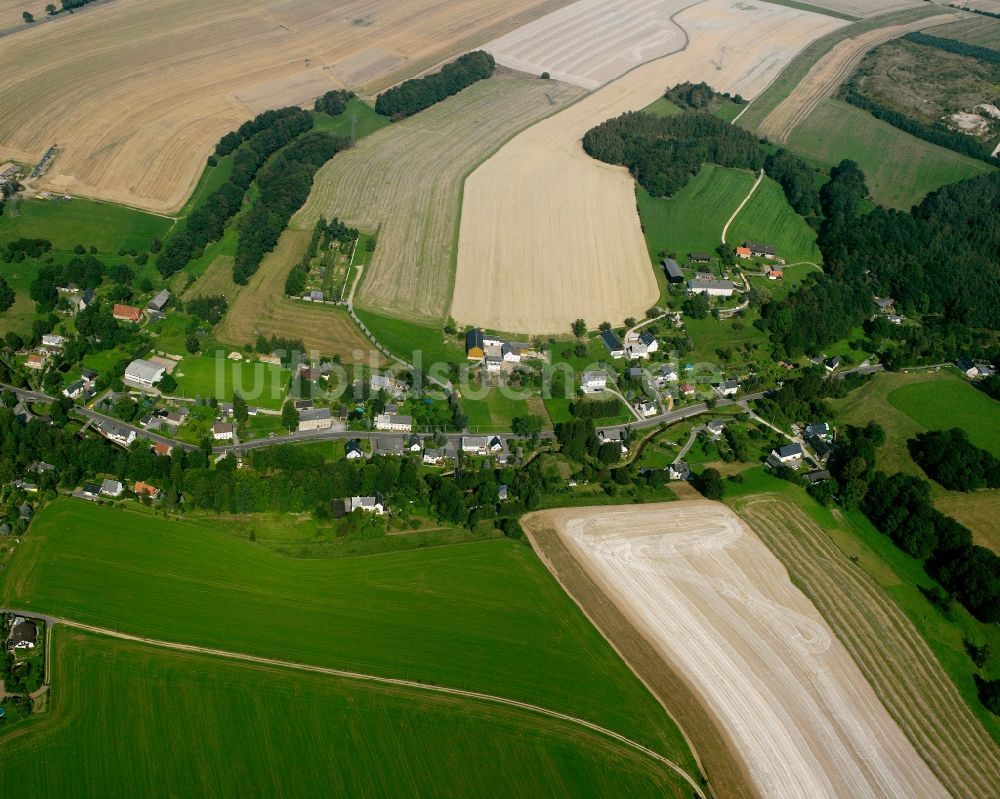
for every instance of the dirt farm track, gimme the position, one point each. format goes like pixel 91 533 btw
pixel 719 607
pixel 136 93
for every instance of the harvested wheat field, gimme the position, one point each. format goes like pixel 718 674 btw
pixel 550 235
pixel 261 308
pixel 888 648
pixel 865 8
pixel 831 71
pixel 591 41
pixel 136 93
pixel 721 610
pixel 406 180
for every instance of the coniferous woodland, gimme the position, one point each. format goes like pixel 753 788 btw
pixel 419 93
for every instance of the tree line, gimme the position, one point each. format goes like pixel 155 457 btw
pixel 417 94
pixel 664 153
pixel 955 462
pixel 284 184
pixel 900 507
pixel 698 96
pixel 951 46
pixel 260 138
pixel 936 133
pixel 333 103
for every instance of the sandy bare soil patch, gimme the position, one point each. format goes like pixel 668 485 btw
pixel 550 235
pixel 406 180
pixel 831 71
pixel 884 642
pixel 720 608
pixel 591 41
pixel 136 93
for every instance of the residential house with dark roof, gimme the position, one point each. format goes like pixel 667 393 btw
pixel 613 344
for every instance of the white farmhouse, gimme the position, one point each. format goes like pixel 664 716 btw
pixel 713 288
pixel 594 382
pixel 370 504
pixel 394 423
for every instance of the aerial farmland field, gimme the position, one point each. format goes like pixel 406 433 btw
pixel 541 215
pixel 769 218
pixel 900 169
pixel 484 616
pixel 131 719
pixel 136 94
pixel 713 600
pixel 589 42
pixel 406 182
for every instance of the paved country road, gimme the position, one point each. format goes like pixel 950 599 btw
pixel 670 417
pixel 370 678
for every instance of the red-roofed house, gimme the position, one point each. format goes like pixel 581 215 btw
pixel 126 313
pixel 162 449
pixel 743 252
pixel 141 488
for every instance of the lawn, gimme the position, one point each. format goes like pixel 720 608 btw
pixel 495 412
pixel 898 575
pixel 22 313
pixel 951 402
pixel 738 338
pixel 134 720
pixel 410 341
pixel 900 169
pixel 692 220
pixel 485 616
pixel 768 217
pixel 66 223
pixel 260 384
pixel 779 289
pixel 367 121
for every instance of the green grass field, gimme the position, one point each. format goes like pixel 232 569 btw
pixel 485 616
pixel 768 217
pixel 692 220
pixel 205 376
pixel 134 720
pixel 951 402
pixel 66 223
pixel 22 313
pixel 898 575
pixel 494 412
pixel 367 120
pixel 900 169
pixel 979 30
pixel 405 339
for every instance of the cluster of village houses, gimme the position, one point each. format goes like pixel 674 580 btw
pixel 712 286
pixel 496 354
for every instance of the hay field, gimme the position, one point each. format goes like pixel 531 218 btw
pixel 407 180
pixel 591 42
pixel 261 308
pixel 979 30
pixel 893 655
pixel 721 609
pixel 833 69
pixel 127 716
pixel 137 93
pixel 550 235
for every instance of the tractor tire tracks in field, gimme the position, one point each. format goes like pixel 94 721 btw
pixel 889 650
pixel 373 678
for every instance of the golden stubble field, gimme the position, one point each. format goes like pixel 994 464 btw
pixel 406 180
pixel 136 93
pixel 721 610
pixel 549 235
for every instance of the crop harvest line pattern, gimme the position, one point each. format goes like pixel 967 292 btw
pixel 373 678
